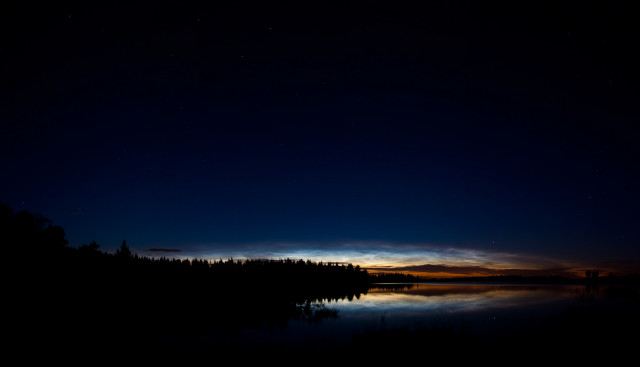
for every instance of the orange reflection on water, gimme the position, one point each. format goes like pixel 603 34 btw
pixel 450 298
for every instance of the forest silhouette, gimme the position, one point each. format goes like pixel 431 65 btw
pixel 95 296
pixel 82 298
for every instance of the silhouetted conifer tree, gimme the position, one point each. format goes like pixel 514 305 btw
pixel 124 250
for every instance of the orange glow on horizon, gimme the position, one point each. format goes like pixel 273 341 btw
pixel 575 274
pixel 440 275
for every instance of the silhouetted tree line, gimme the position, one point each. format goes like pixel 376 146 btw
pixel 98 298
pixel 592 274
pixel 296 277
pixel 107 301
pixel 41 246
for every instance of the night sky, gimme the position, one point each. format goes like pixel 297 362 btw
pixel 443 137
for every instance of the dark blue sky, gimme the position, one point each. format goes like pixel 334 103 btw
pixel 499 136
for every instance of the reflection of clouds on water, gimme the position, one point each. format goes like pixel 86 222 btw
pixel 461 300
pixel 472 306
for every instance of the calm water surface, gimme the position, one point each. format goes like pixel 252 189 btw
pixel 478 309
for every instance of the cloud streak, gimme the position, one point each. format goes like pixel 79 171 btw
pixel 423 259
pixel 164 250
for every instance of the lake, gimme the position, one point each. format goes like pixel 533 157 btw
pixel 396 315
pixel 452 320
